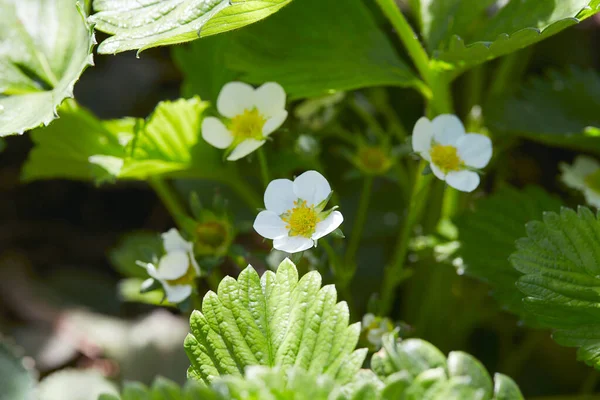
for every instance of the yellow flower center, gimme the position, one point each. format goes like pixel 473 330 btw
pixel 445 157
pixel 187 279
pixel 592 181
pixel 301 220
pixel 247 125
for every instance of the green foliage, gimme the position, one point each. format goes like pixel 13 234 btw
pixel 162 389
pixel 560 262
pixel 414 369
pixel 145 24
pixel 167 142
pixel 203 66
pixel 560 109
pixel 488 234
pixel 275 321
pixel 16 381
pixel 74 384
pixel 343 50
pixel 94 153
pixel 466 33
pixel 43 51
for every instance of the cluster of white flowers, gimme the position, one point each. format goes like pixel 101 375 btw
pixel 453 155
pixel 252 115
pixel 583 175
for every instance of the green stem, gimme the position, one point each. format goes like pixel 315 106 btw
pixel 394 272
pixel 264 167
pixel 439 86
pixel 169 199
pixel 408 37
pixel 335 264
pixel 359 222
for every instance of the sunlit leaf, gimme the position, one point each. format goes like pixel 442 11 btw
pixel 149 23
pixel 44 48
pixel 275 321
pixel 168 142
pixel 416 369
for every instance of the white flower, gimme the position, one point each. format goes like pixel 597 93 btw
pixel 253 115
pixel 583 175
pixel 452 153
pixel 294 216
pixel 375 327
pixel 177 269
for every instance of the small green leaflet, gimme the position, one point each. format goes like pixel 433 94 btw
pixel 466 33
pixel 488 234
pixel 274 321
pixel 166 143
pixel 311 48
pixel 149 23
pixel 560 260
pixel 559 109
pixel 44 48
pixel 414 369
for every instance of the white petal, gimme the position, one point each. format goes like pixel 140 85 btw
pixel 465 181
pixel 151 270
pixel 447 128
pixel 437 172
pixel 270 99
pixel 592 197
pixel 328 225
pixel 312 187
pixel 173 265
pixel 147 283
pixel 274 122
pixel 177 293
pixel 216 133
pixel 574 175
pixel 269 225
pixel 195 264
pixel 172 241
pixel 293 244
pixel 280 196
pixel 234 98
pixel 245 148
pixel 474 149
pixel 421 136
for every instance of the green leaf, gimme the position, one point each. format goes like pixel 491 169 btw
pixel 274 321
pixel 560 109
pixel 166 143
pixel 560 260
pixel 75 384
pixel 16 381
pixel 466 33
pixel 311 47
pixel 43 51
pixel 414 369
pixel 78 146
pixel 488 234
pixel 203 66
pixel 148 23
